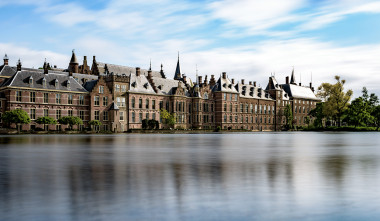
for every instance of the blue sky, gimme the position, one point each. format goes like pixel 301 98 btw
pixel 246 38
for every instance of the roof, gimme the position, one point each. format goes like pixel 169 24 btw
pixel 89 85
pixel 168 86
pixel 296 91
pixel 120 70
pixel 224 85
pixel 64 82
pixel 250 91
pixel 140 84
pixel 114 106
pixel 7 71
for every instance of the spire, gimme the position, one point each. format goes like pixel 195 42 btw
pixel 73 58
pixel 19 65
pixel 292 79
pixel 150 65
pixel 177 75
pixel 6 59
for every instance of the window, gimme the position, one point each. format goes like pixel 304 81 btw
pixel 236 97
pixel 96 100
pixel 70 99
pixel 117 88
pixel 140 117
pixel 57 114
pixel 236 119
pixel 105 116
pixel 81 100
pixel 121 116
pixel 32 114
pixel 133 102
pixel 18 96
pixel 230 97
pixel 260 109
pixel 140 103
pixel 46 112
pixel 97 115
pixel 241 108
pixel 231 108
pixel 101 89
pixel 246 108
pixel 123 88
pixel 57 98
pixel 147 116
pixel 70 113
pixel 225 96
pixel 120 101
pixel 246 119
pixel 133 117
pixel 231 118
pixel 147 103
pixel 162 105
pixel 225 118
pixel 154 116
pixel 251 108
pixel 81 115
pixel 32 97
pixel 225 107
pixel 154 104
pixel 46 98
pixel 265 109
pixel 105 101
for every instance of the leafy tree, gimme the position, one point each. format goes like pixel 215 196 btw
pixel 336 100
pixel 317 113
pixel 288 113
pixel 376 116
pixel 16 116
pixel 46 120
pixel 145 124
pixel 153 124
pixel 168 118
pixel 70 120
pixel 93 123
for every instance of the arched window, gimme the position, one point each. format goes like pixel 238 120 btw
pixel 133 102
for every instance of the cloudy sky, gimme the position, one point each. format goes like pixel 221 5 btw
pixel 248 39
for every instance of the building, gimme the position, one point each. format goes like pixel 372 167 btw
pixel 120 97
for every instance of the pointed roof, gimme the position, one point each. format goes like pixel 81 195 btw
pixel 177 75
pixel 73 59
pixel 6 57
pixel 293 79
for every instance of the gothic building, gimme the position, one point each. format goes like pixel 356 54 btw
pixel 120 97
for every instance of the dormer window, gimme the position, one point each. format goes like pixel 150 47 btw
pixel 134 84
pixel 146 85
pixel 230 85
pixel 44 82
pixel 251 93
pixel 56 83
pixel 30 80
pixel 224 85
pixel 159 87
pixel 68 83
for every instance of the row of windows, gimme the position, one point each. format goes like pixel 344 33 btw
pixel 58 98
pixel 120 88
pixel 301 109
pixel 57 114
pixel 232 96
pixel 248 119
pixel 140 117
pixel 147 104
pixel 248 108
pixel 97 101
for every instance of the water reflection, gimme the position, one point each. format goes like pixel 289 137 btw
pixel 258 176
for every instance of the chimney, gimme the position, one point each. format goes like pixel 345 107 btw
pixel 46 69
pixel 254 83
pixel 150 74
pixel 233 81
pixel 205 82
pixel 199 79
pixel 137 71
pixel 212 80
pixel 311 86
pixel 299 84
pixel 250 82
pixel 242 81
pixel 312 89
pixel 19 65
pixel 287 79
pixel 6 59
pixel 224 75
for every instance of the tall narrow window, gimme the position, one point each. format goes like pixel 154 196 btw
pixel 105 101
pixel 154 104
pixel 32 97
pixel 81 115
pixel 46 98
pixel 81 100
pixel 32 114
pixel 123 88
pixel 96 100
pixel 140 103
pixel 147 103
pixel 57 98
pixel 57 114
pixel 18 96
pixel 97 115
pixel 105 116
pixel 70 113
pixel 133 117
pixel 101 89
pixel 70 99
pixel 121 116
pixel 46 112
pixel 133 102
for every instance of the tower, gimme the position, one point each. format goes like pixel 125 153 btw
pixel 74 65
pixel 177 75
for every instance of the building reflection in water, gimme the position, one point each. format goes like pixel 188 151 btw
pixel 184 177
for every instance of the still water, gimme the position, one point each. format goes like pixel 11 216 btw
pixel 248 176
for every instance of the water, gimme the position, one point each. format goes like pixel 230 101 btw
pixel 248 176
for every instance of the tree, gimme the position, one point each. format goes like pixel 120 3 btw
pixel 93 123
pixel 153 124
pixel 45 121
pixel 336 100
pixel 17 117
pixel 70 120
pixel 144 124
pixel 168 118
pixel 317 113
pixel 376 116
pixel 288 113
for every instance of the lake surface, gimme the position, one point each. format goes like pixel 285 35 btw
pixel 247 176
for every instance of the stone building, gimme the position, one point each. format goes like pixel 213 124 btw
pixel 120 97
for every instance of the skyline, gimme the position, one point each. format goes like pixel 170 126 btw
pixel 247 39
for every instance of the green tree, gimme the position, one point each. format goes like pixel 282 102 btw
pixel 376 116
pixel 153 124
pixel 288 113
pixel 17 117
pixel 70 120
pixel 317 114
pixel 336 100
pixel 144 124
pixel 93 123
pixel 46 121
pixel 168 118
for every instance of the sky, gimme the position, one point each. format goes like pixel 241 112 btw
pixel 248 39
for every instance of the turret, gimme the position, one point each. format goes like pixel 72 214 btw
pixel 6 59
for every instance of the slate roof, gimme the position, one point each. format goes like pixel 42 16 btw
pixel 224 85
pixel 250 91
pixel 65 83
pixel 89 85
pixel 140 84
pixel 168 86
pixel 302 92
pixel 7 71
pixel 114 106
pixel 120 70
